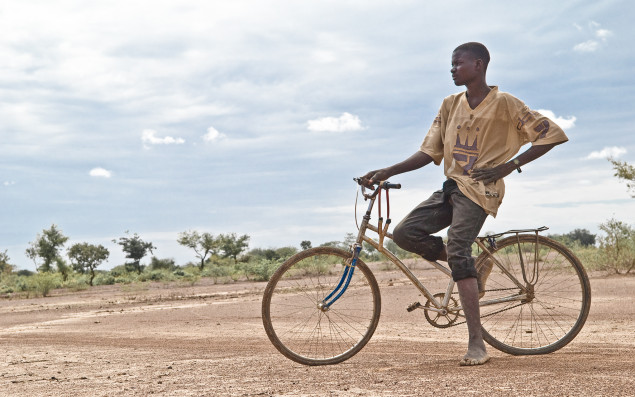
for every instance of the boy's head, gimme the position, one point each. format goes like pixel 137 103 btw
pixel 469 64
pixel 477 50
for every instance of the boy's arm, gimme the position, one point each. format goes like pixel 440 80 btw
pixel 416 161
pixel 489 175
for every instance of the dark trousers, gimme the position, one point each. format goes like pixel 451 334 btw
pixel 447 207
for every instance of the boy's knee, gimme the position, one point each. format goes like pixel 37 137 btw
pixel 399 236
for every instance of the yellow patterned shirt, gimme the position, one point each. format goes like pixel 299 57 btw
pixel 490 135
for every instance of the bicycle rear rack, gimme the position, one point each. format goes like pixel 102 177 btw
pixel 491 240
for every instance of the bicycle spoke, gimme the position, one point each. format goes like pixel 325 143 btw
pixel 295 320
pixel 556 303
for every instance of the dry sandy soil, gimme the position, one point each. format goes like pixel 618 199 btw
pixel 208 340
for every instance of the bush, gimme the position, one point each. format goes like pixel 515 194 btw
pixel 617 248
pixel 167 263
pixel 77 282
pixel 590 257
pixel 156 275
pixel 261 270
pixel 104 279
pixel 43 283
pixel 118 271
pixel 219 272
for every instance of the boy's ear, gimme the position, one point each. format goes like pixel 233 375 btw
pixel 480 64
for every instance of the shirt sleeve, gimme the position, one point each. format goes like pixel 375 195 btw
pixel 432 144
pixel 536 128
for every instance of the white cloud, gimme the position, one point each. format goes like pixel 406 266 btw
pixel 603 33
pixel 213 135
pixel 593 45
pixel 149 136
pixel 8 183
pixel 564 123
pixel 587 46
pixel 613 151
pixel 346 122
pixel 100 173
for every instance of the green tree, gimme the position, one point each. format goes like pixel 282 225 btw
pixel 582 236
pixel 165 263
pixel 86 257
pixel 203 244
pixel 305 245
pixel 618 246
pixel 62 268
pixel 5 266
pixel 47 247
pixel 626 172
pixel 134 248
pixel 232 246
pixel 285 253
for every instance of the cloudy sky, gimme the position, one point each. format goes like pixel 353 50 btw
pixel 254 116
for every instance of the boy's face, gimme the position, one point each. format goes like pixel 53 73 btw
pixel 464 67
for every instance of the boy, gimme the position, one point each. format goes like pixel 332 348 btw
pixel 476 133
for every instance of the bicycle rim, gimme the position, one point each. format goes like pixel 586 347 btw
pixel 303 332
pixel 550 316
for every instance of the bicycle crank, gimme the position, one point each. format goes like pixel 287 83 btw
pixel 444 317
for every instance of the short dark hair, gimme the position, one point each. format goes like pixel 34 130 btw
pixel 477 49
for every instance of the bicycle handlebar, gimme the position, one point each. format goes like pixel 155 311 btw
pixel 382 184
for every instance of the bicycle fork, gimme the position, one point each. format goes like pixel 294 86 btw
pixel 345 280
pixel 347 275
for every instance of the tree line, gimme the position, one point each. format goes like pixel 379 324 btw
pixel 225 256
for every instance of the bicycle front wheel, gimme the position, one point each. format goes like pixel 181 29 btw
pixel 552 298
pixel 294 317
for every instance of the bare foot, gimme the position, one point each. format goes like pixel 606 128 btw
pixel 473 359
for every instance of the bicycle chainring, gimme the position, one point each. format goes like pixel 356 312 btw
pixel 447 317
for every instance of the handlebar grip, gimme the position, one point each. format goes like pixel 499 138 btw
pixel 388 185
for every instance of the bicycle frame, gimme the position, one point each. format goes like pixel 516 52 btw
pixel 439 305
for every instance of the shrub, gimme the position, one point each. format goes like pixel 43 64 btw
pixel 43 283
pixel 104 279
pixel 156 275
pixel 218 272
pixel 167 263
pixel 261 270
pixel 617 248
pixel 77 282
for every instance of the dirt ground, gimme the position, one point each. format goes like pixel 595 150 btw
pixel 208 340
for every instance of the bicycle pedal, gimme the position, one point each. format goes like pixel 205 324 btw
pixel 413 306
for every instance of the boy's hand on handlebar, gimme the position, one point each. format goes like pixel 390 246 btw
pixel 374 177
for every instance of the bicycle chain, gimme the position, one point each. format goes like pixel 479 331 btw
pixel 491 314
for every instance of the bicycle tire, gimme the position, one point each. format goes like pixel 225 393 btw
pixel 558 309
pixel 303 332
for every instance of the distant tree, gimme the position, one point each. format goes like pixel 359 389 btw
pixel 87 257
pixel 166 263
pixel 134 248
pixel 618 246
pixel 582 236
pixel 305 245
pixel 232 246
pixel 349 240
pixel 334 243
pixel 285 253
pixel 626 172
pixel 47 247
pixel 62 268
pixel 203 244
pixel 5 266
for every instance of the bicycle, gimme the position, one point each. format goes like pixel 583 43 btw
pixel 322 305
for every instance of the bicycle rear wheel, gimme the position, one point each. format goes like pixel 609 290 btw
pixel 294 320
pixel 556 296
